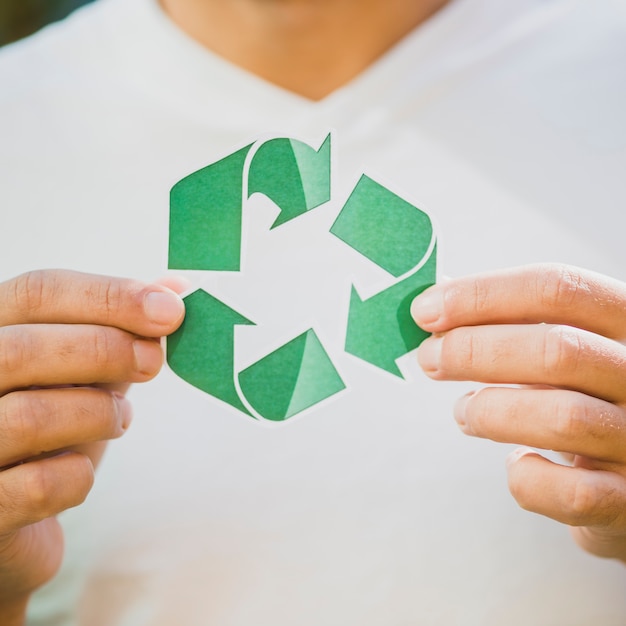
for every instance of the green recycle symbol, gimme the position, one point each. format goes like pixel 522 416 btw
pixel 206 211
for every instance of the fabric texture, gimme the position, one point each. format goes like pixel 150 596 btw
pixel 505 123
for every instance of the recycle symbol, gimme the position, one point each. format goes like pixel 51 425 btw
pixel 206 219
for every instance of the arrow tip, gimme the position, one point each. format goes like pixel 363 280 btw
pixel 366 337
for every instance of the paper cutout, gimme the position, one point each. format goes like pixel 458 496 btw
pixel 396 236
pixel 206 207
pixel 381 329
pixel 291 174
pixel 293 378
pixel 206 234
pixel 203 353
pixel 383 227
pixel 205 217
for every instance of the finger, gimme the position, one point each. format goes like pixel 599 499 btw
pixel 45 355
pixel 95 451
pixel 175 282
pixel 600 542
pixel 65 297
pixel 43 420
pixel 571 495
pixel 535 354
pixel 40 489
pixel 551 419
pixel 540 293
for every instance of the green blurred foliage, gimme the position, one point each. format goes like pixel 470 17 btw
pixel 19 18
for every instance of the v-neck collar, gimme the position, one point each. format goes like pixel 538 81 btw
pixel 201 83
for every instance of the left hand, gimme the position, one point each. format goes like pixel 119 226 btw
pixel 558 333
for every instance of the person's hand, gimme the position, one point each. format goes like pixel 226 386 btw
pixel 70 344
pixel 558 333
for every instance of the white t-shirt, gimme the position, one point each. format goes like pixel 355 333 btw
pixel 505 123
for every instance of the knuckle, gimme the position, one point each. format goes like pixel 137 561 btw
pixel 102 346
pixel 558 286
pixel 481 297
pixel 16 349
pixel 562 350
pixel 38 489
pixel 8 503
pixel 571 421
pixel 31 290
pixel 55 485
pixel 109 294
pixel 18 421
pixel 460 350
pixel 597 500
pixel 586 501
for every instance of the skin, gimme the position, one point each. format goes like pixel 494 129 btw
pixel 71 345
pixel 557 333
pixel 279 40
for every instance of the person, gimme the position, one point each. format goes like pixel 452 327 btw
pixel 504 123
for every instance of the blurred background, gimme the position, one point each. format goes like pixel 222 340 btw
pixel 19 18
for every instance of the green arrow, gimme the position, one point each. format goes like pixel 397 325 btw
pixel 201 351
pixel 205 217
pixel 294 377
pixel 381 329
pixel 382 226
pixel 291 174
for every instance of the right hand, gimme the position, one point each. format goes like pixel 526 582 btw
pixel 70 344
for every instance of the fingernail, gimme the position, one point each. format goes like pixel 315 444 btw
pixel 148 356
pixel 124 409
pixel 428 306
pixel 459 410
pixel 163 307
pixel 517 454
pixel 429 354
